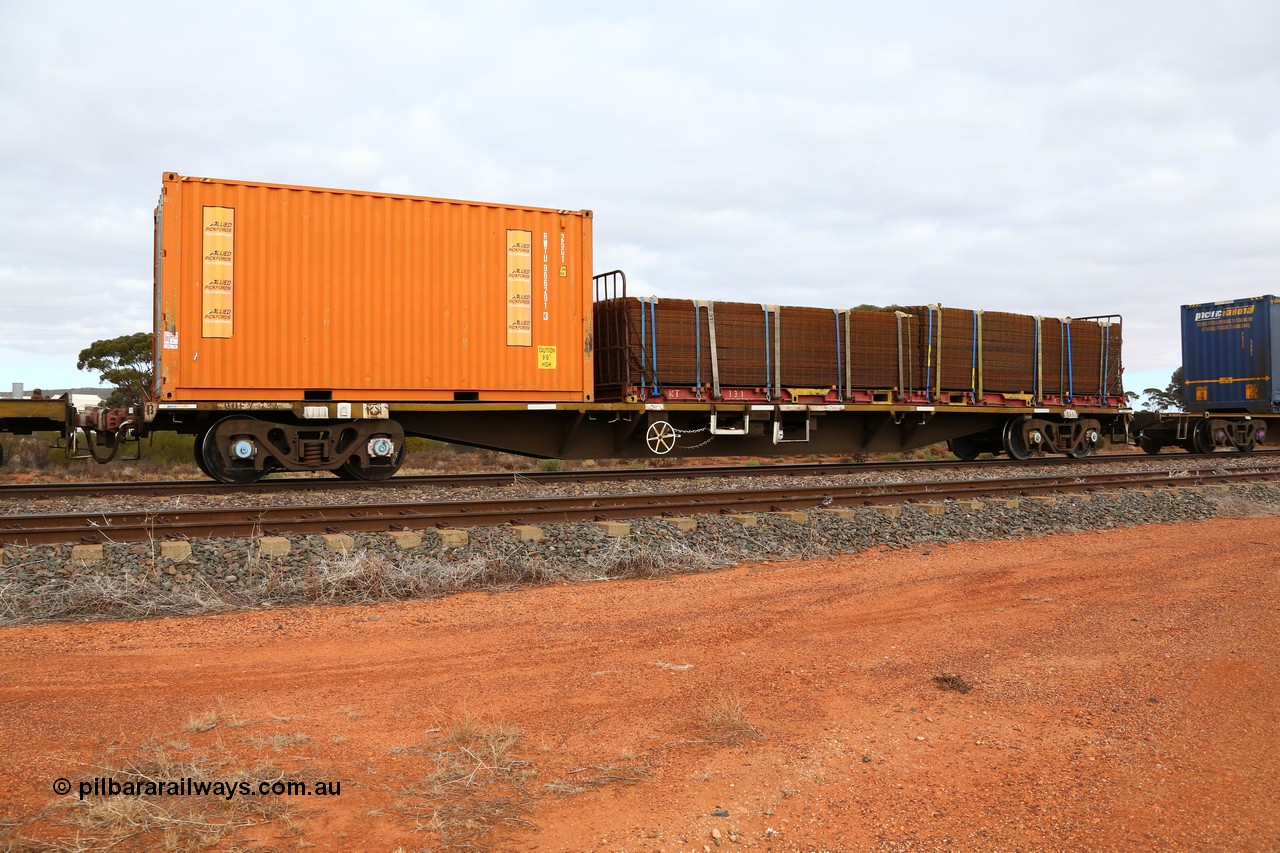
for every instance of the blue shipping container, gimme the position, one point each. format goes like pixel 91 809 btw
pixel 1230 358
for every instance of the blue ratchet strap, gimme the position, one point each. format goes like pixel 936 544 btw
pixel 928 362
pixel 653 336
pixel 640 299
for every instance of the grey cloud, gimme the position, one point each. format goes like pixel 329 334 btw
pixel 1050 158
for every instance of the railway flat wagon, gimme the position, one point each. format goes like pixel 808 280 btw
pixel 26 416
pixel 309 329
pixel 1230 363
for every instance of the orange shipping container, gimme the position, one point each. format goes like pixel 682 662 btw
pixel 271 292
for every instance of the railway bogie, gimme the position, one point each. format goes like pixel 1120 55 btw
pixel 1204 432
pixel 242 448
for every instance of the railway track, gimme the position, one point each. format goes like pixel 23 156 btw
pixel 102 527
pixel 168 488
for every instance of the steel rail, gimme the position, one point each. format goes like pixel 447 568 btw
pixel 165 488
pixel 101 527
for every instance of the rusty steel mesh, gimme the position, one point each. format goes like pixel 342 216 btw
pixel 945 339
pixel 1080 369
pixel 745 362
pixel 810 354
pixel 1008 353
pixel 1053 357
pixel 820 349
pixel 872 349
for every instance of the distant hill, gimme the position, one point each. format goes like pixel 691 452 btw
pixel 58 392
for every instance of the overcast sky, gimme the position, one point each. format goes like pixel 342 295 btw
pixel 1051 158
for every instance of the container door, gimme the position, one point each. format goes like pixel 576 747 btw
pixel 157 321
pixel 1272 360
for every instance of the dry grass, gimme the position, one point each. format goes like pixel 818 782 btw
pixel 724 719
pixel 202 722
pixel 91 595
pixel 472 747
pixel 477 785
pixel 179 823
pixel 1235 505
pixel 279 742
pixel 953 682
pixel 595 777
pixel 359 577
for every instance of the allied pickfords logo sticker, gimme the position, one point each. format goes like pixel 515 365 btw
pixel 218 272
pixel 519 288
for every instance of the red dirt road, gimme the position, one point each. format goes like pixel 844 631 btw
pixel 1126 695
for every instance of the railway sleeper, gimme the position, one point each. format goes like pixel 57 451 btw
pixel 243 449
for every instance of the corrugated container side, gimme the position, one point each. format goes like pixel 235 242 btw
pixel 1229 355
pixel 368 296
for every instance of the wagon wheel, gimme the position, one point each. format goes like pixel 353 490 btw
pixel 354 469
pixel 1086 446
pixel 661 437
pixel 213 464
pixel 964 448
pixel 1202 438
pixel 1014 444
pixel 1149 445
pixel 197 450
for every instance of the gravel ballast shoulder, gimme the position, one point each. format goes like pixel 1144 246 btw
pixel 135 580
